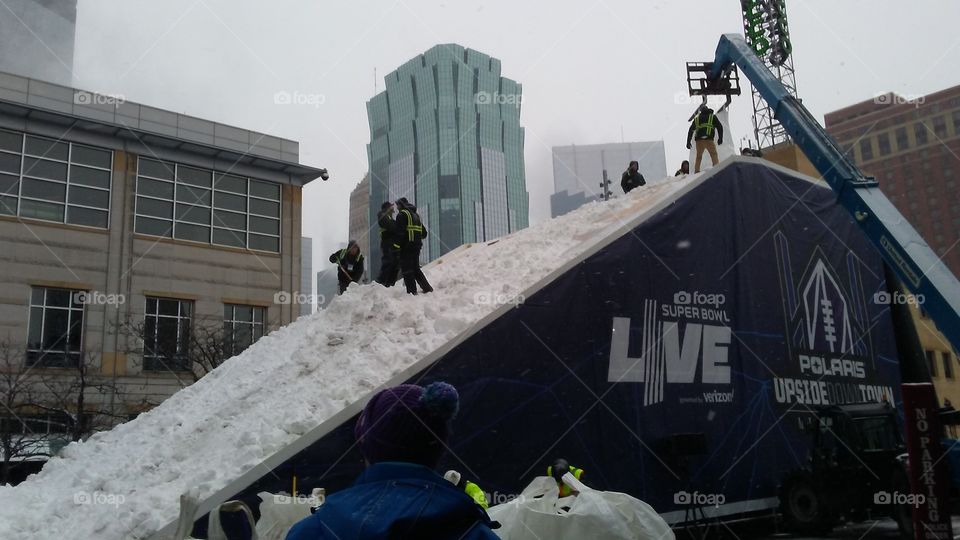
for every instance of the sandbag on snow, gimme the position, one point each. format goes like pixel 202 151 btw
pixel 539 513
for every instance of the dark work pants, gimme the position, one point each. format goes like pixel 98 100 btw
pixel 389 268
pixel 410 267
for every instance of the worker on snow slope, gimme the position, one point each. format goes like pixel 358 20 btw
pixel 402 433
pixel 349 263
pixel 468 487
pixel 411 232
pixel 389 246
pixel 631 178
pixel 684 169
pixel 704 125
pixel 559 468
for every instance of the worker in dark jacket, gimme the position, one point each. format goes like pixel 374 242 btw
pixel 411 232
pixel 559 468
pixel 389 246
pixel 704 125
pixel 401 433
pixel 349 263
pixel 632 178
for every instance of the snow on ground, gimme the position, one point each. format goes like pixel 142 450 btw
pixel 287 383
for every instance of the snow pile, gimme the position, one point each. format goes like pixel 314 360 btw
pixel 125 483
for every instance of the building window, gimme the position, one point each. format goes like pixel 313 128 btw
pixel 55 335
pixel 883 143
pixel 956 122
pixel 866 150
pixel 932 363
pixel 166 334
pixel 54 180
pixel 242 325
pixel 35 425
pixel 920 133
pixel 940 127
pixel 947 365
pixel 901 135
pixel 848 151
pixel 193 204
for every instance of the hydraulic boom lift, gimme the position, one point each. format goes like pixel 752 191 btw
pixel 897 241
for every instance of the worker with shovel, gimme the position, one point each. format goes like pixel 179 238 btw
pixel 349 263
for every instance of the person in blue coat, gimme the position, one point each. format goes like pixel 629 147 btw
pixel 402 433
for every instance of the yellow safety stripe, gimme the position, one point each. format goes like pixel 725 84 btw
pixel 708 125
pixel 343 253
pixel 411 227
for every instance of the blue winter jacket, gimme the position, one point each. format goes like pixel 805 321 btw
pixel 397 500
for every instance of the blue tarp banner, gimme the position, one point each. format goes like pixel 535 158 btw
pixel 678 363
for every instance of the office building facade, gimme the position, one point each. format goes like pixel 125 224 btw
pixel 911 146
pixel 127 232
pixel 446 135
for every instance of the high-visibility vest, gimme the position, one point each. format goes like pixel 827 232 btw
pixel 476 494
pixel 382 230
pixel 565 490
pixel 708 125
pixel 343 253
pixel 414 229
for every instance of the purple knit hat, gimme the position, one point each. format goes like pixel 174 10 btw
pixel 407 423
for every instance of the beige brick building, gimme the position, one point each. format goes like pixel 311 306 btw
pixel 125 228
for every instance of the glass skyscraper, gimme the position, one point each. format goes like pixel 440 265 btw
pixel 446 135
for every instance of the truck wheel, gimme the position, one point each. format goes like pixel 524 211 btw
pixel 803 507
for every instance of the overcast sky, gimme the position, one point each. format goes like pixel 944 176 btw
pixel 589 69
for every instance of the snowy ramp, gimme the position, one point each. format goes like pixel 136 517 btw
pixel 279 395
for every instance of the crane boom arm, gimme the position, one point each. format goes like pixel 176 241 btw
pixel 897 241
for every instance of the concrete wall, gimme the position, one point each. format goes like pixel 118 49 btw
pixel 37 38
pixel 790 156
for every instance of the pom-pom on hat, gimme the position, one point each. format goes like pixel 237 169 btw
pixel 408 423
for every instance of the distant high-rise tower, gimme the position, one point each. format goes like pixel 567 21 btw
pixel 360 224
pixel 306 274
pixel 578 170
pixel 37 39
pixel 446 135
